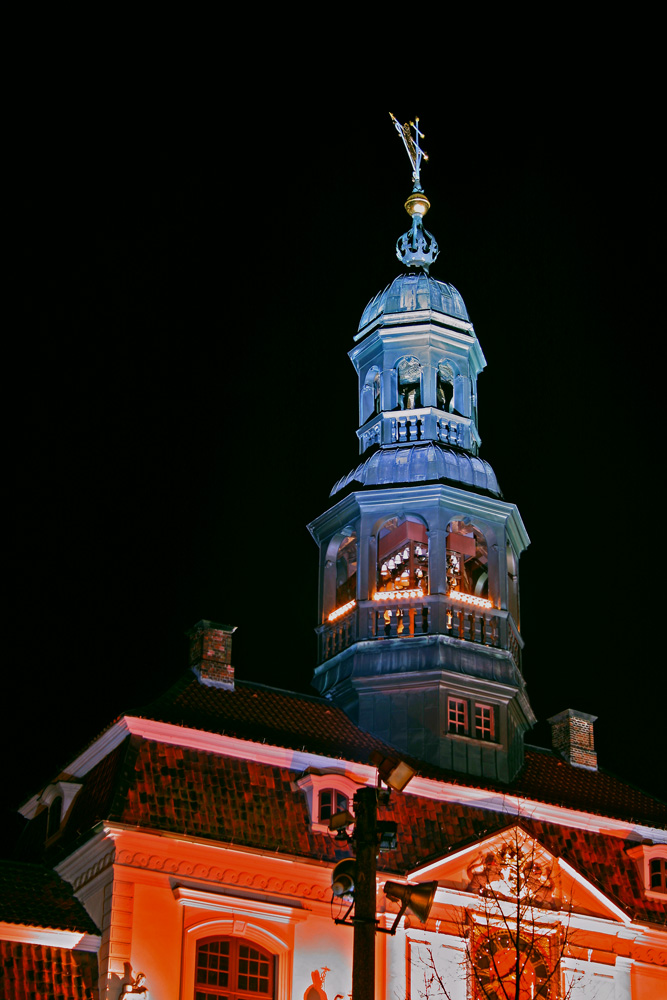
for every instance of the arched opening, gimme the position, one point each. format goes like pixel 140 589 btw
pixel 370 394
pixel 409 384
pixel 346 570
pixel 467 560
pixel 233 968
pixel 445 387
pixel 402 555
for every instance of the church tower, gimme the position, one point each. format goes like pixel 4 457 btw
pixel 419 635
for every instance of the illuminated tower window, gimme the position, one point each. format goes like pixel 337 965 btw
pixel 402 555
pixel 467 559
pixel 346 571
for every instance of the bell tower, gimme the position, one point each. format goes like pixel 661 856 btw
pixel 419 634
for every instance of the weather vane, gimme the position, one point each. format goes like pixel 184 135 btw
pixel 417 247
pixel 413 149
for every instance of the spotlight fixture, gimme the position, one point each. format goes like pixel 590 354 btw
pixel 394 772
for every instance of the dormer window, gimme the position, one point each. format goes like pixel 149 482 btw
pixel 57 799
pixel 327 793
pixel 652 862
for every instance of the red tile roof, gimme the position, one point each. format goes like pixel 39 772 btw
pixel 265 715
pixel 33 895
pixel 296 721
pixel 39 972
pixel 256 805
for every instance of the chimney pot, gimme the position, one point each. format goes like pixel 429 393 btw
pixel 211 654
pixel 572 737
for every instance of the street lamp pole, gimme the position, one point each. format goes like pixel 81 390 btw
pixel 363 961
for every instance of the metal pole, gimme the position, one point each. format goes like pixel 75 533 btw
pixel 363 958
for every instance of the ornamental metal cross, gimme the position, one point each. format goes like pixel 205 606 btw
pixel 413 149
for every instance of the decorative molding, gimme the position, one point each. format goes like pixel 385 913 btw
pixel 238 906
pixel 224 876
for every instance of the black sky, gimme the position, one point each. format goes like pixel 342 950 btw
pixel 180 401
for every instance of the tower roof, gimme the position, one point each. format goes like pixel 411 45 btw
pixel 413 292
pixel 422 463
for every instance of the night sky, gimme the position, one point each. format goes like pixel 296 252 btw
pixel 180 401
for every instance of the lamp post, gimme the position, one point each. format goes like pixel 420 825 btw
pixel 364 920
pixel 357 877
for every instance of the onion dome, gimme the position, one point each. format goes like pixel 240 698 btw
pixel 425 462
pixel 414 292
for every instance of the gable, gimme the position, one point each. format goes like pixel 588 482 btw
pixel 512 865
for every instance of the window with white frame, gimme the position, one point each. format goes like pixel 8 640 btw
pixel 233 968
pixel 652 862
pixel 327 793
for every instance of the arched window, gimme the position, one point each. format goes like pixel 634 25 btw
pixel 409 384
pixel 445 387
pixel 346 570
pixel 233 968
pixel 331 802
pixel 370 394
pixel 402 555
pixel 467 559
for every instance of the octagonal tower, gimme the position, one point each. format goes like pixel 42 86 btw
pixel 419 635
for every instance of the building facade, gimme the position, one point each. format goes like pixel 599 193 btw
pixel 188 853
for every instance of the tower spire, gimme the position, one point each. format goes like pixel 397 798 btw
pixel 417 247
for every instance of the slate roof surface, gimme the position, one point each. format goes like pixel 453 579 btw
pixel 36 896
pixel 295 721
pixel 39 972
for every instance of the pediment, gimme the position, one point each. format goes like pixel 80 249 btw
pixel 512 864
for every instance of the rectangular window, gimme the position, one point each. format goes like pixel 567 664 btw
pixel 457 716
pixel 484 729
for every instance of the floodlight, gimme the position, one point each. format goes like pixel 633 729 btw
pixel 340 820
pixel 393 771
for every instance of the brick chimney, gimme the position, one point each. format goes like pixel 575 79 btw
pixel 572 737
pixel 211 654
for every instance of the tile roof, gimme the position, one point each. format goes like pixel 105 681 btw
pixel 34 895
pixel 39 972
pixel 179 789
pixel 265 715
pixel 296 721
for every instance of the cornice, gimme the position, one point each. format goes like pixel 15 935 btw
pixel 52 937
pixel 509 804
